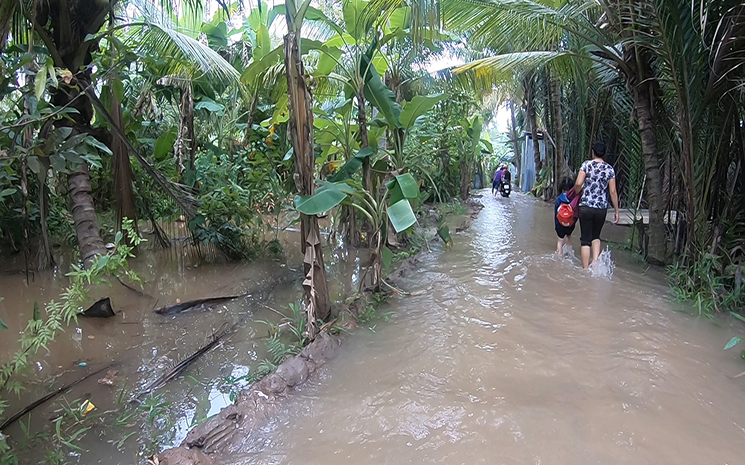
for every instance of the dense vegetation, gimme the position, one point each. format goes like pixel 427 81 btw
pixel 152 112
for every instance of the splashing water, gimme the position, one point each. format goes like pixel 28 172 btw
pixel 567 251
pixel 604 265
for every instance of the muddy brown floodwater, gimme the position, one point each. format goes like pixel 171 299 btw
pixel 143 345
pixel 515 357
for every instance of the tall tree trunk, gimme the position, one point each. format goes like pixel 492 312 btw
pixel 184 146
pixel 301 135
pixel 515 141
pixel 642 85
pixel 466 170
pixel 123 177
pixel 84 214
pixel 560 168
pixel 547 139
pixel 528 88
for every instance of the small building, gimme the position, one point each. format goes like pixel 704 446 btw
pixel 527 160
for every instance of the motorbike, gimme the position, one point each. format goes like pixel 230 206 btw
pixel 505 188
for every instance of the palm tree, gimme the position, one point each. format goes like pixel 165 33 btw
pixel 65 29
pixel 538 25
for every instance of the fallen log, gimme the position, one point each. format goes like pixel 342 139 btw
pixel 184 307
pixel 100 309
pixel 48 397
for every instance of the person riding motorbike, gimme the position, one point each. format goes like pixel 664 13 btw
pixel 505 186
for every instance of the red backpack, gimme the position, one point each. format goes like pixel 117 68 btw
pixel 565 215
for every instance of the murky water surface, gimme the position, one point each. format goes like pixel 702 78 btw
pixel 511 356
pixel 141 345
pixel 515 357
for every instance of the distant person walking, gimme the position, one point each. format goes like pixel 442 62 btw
pixel 596 179
pixel 496 181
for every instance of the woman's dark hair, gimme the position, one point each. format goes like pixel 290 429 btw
pixel 565 184
pixel 599 149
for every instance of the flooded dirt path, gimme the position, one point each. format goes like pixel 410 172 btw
pixel 515 357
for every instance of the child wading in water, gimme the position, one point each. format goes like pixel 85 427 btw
pixel 568 216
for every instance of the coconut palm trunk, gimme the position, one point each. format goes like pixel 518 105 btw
pixel 529 91
pixel 301 134
pixel 124 199
pixel 642 84
pixel 515 141
pixel 84 214
pixel 560 166
pixel 64 27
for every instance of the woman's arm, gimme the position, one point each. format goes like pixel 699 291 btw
pixel 613 198
pixel 580 182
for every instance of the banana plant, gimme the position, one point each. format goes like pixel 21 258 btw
pixel 394 205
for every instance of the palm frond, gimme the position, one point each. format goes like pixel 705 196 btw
pixel 183 53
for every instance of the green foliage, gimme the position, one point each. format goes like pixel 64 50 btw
pixel 706 283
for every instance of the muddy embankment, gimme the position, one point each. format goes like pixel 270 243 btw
pixel 228 432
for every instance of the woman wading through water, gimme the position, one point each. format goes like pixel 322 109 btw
pixel 595 180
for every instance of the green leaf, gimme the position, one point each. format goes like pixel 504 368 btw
pixel 418 106
pixel 257 67
pixel 281 111
pixel 401 215
pixel 73 157
pixel 51 72
pixel 288 155
pixel 326 197
pixel 58 163
pixel 476 126
pixel 382 98
pixel 263 42
pixel 41 82
pixel 733 342
pixel 2 325
pixel 403 186
pixel 8 191
pixel 98 145
pixel 354 20
pixel 400 18
pixel 444 233
pixel 387 256
pixel 409 186
pixel 327 61
pixel 209 105
pixel 102 261
pixel 352 165
pixel 164 144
